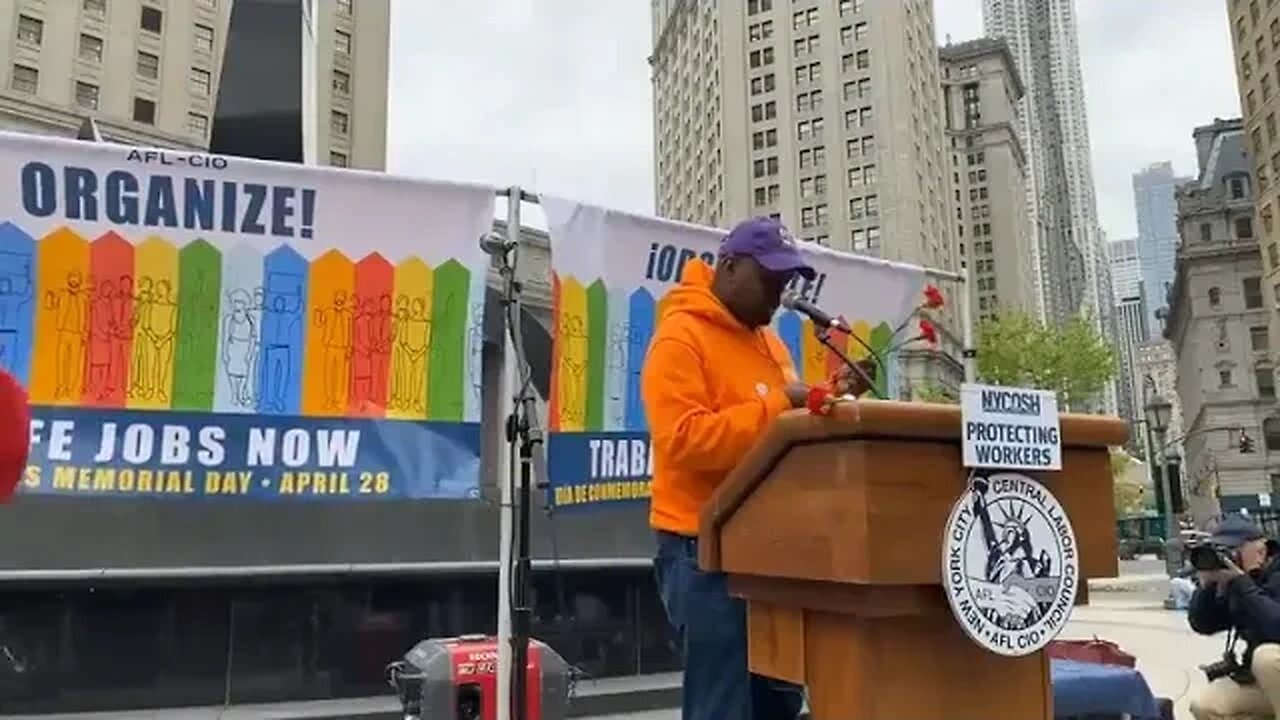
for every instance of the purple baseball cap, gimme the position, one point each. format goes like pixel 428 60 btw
pixel 769 243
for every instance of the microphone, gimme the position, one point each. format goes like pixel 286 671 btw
pixel 793 300
pixel 822 322
pixel 495 244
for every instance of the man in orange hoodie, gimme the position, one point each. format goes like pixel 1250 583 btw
pixel 716 375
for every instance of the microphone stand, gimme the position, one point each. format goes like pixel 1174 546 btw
pixel 524 436
pixel 824 336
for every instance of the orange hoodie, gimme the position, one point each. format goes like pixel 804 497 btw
pixel 710 387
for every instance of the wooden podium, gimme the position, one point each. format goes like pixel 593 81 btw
pixel 831 529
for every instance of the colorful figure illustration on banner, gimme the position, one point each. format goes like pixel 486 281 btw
pixel 280 326
pixel 70 304
pixel 17 283
pixel 239 338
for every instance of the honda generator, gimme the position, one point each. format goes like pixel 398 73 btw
pixel 457 679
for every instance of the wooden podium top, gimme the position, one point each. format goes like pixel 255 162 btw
pixel 861 496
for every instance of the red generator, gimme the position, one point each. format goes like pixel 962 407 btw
pixel 457 679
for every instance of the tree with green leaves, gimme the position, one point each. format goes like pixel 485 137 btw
pixel 1072 359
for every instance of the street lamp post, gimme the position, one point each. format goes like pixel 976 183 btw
pixel 1159 413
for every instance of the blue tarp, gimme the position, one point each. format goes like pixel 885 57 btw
pixel 1081 689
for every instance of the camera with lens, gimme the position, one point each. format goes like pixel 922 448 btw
pixel 1207 555
pixel 1229 667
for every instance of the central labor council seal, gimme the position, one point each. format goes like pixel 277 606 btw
pixel 1010 565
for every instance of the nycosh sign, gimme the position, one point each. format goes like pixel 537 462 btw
pixel 1010 428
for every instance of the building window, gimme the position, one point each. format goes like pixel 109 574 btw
pixel 201 82
pixel 25 79
pixel 342 42
pixel 198 124
pixel 860 31
pixel 1259 340
pixel 337 159
pixel 1236 184
pixel 344 6
pixel 151 19
pixel 846 35
pixel 1244 228
pixel 761 58
pixel 1215 297
pixel 144 111
pixel 1206 232
pixel 87 95
pixel 863 60
pixel 1266 379
pixel 1224 378
pixel 1252 293
pixel 148 65
pixel 90 48
pixel 764 111
pixel 341 82
pixel 30 30
pixel 204 38
pixel 95 7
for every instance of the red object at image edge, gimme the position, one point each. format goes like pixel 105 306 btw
pixel 15 421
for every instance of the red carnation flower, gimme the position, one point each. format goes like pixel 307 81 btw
pixel 933 297
pixel 818 400
pixel 928 332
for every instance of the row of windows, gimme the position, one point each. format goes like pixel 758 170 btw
pixel 87 95
pixel 810 187
pixel 1251 288
pixel 31 32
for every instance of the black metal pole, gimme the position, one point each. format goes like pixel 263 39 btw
pixel 522 614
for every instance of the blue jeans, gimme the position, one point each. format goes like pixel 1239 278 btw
pixel 711 627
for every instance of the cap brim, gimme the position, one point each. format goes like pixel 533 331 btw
pixel 1235 540
pixel 786 262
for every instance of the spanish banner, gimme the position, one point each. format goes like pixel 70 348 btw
pixel 609 272
pixel 193 326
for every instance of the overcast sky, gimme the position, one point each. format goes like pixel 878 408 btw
pixel 554 94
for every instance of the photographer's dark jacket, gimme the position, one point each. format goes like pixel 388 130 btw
pixel 1250 603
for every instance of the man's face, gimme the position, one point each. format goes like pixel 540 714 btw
pixel 751 292
pixel 1253 554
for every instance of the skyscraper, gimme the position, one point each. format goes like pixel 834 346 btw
pixel 1131 322
pixel 1126 268
pixel 824 113
pixel 980 86
pixel 149 72
pixel 1072 263
pixel 1255 36
pixel 1157 212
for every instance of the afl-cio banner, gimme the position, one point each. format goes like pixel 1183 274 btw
pixel 610 271
pixel 198 326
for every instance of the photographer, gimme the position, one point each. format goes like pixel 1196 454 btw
pixel 1238 573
